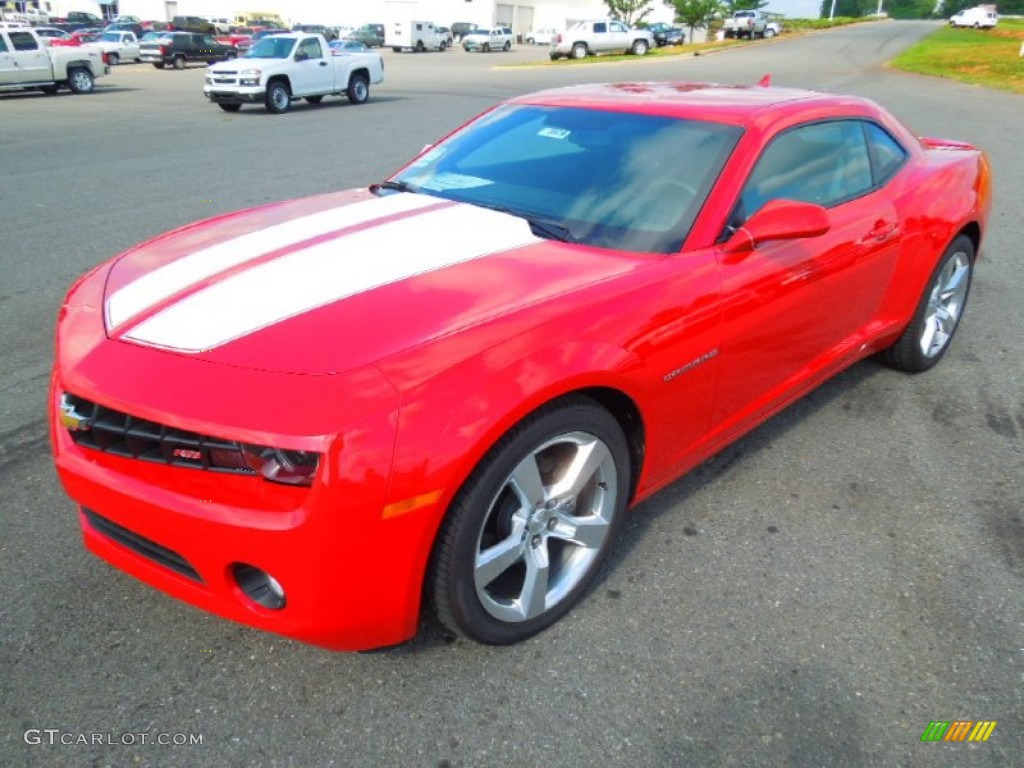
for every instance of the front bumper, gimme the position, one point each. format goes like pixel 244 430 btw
pixel 350 561
pixel 255 95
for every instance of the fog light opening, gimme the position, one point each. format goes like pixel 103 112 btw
pixel 259 586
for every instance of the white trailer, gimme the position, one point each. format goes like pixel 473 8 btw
pixel 410 35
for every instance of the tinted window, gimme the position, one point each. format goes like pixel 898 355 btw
pixel 23 41
pixel 601 27
pixel 823 163
pixel 886 153
pixel 615 180
pixel 3 45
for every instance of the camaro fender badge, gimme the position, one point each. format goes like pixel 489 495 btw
pixel 70 418
pixel 690 365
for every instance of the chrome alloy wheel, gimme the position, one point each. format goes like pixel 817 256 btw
pixel 945 304
pixel 545 527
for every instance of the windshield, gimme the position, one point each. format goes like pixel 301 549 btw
pixel 111 37
pixel 272 47
pixel 610 179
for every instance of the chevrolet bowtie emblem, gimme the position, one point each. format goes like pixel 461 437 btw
pixel 71 418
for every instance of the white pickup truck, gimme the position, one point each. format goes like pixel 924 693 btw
pixel 28 64
pixel 119 46
pixel 281 68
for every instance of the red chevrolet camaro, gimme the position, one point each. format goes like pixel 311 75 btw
pixel 312 415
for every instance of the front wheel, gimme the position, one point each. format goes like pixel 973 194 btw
pixel 278 99
pixel 314 99
pixel 579 51
pixel 528 532
pixel 230 107
pixel 639 47
pixel 80 80
pixel 508 46
pixel 113 59
pixel 928 336
pixel 358 90
pixel 158 64
pixel 179 62
pixel 769 33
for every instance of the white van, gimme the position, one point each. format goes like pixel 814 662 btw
pixel 416 36
pixel 979 18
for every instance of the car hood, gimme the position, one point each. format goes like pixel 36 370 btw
pixel 339 281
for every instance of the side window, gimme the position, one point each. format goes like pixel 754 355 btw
pixel 23 41
pixel 311 47
pixel 886 153
pixel 617 27
pixel 600 27
pixel 3 45
pixel 822 163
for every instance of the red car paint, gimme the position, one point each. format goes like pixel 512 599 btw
pixel 403 386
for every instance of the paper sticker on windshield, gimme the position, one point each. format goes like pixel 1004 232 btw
pixel 554 133
pixel 444 181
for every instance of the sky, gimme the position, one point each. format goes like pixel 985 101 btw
pixel 796 9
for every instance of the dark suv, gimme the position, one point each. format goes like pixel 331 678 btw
pixel 177 49
pixel 193 24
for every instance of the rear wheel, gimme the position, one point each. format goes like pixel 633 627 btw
pixel 314 99
pixel 113 59
pixel 639 47
pixel 179 62
pixel 508 46
pixel 278 98
pixel 80 80
pixel 579 51
pixel 358 90
pixel 528 532
pixel 49 90
pixel 938 313
pixel 230 107
pixel 158 64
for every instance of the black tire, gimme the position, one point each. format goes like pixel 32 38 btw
pixel 314 99
pixel 179 62
pixel 639 48
pixel 113 59
pixel 442 46
pixel 538 537
pixel 158 64
pixel 230 107
pixel 278 99
pixel 530 41
pixel 396 50
pixel 554 56
pixel 49 90
pixel 80 80
pixel 230 56
pixel 358 91
pixel 939 310
pixel 486 47
pixel 579 51
pixel 420 47
pixel 507 46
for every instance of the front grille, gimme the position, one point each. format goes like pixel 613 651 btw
pixel 103 429
pixel 168 558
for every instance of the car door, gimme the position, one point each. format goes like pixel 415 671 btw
pixel 313 71
pixel 31 61
pixel 794 308
pixel 8 68
pixel 618 37
pixel 130 47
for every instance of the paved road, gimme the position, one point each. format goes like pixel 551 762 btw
pixel 814 596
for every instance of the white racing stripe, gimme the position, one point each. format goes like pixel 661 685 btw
pixel 313 277
pixel 159 285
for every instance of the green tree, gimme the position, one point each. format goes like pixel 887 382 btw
pixel 696 14
pixel 629 11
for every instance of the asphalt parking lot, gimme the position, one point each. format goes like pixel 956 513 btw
pixel 813 596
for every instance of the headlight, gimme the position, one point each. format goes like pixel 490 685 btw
pixel 280 466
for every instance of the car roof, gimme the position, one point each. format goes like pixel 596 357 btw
pixel 732 104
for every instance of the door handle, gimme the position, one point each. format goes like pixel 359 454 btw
pixel 882 230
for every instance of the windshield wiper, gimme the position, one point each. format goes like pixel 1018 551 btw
pixel 546 228
pixel 392 186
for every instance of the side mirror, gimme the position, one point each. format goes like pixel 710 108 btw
pixel 779 220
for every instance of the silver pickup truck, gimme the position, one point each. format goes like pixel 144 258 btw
pixel 28 64
pixel 589 38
